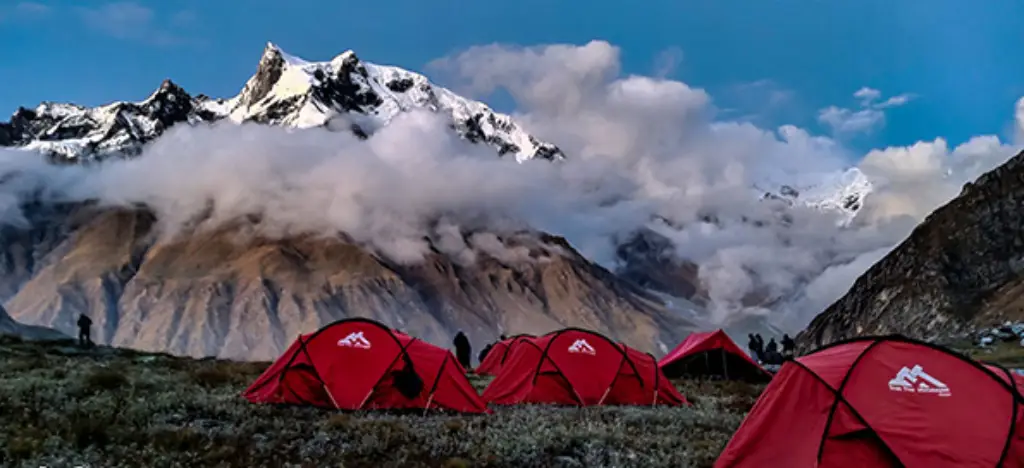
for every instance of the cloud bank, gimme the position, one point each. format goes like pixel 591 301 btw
pixel 640 149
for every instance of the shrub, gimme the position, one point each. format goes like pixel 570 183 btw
pixel 457 462
pixel 106 379
pixel 21 448
pixel 210 377
pixel 88 431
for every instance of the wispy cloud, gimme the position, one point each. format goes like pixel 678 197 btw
pixel 32 8
pixel 762 101
pixel 667 61
pixel 132 21
pixel 22 11
pixel 870 116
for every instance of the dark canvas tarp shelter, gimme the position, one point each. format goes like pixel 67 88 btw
pixel 498 354
pixel 361 364
pixel 711 354
pixel 882 402
pixel 580 367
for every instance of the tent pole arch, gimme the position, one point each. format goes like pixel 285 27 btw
pixel 850 407
pixel 905 339
pixel 839 391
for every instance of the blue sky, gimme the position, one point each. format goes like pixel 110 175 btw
pixel 782 61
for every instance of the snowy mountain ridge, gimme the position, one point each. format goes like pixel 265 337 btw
pixel 840 192
pixel 286 91
pixel 345 93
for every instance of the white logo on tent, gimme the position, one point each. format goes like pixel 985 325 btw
pixel 355 340
pixel 581 346
pixel 916 380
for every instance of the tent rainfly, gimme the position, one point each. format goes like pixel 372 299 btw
pixel 887 401
pixel 582 368
pixel 498 354
pixel 357 363
pixel 712 354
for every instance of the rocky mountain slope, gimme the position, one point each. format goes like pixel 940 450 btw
pixel 9 327
pixel 222 291
pixel 959 269
pixel 345 93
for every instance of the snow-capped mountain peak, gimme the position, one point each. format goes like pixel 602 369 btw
pixel 288 90
pixel 841 192
pixel 285 90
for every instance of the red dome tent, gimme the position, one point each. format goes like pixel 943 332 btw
pixel 711 354
pixel 883 402
pixel 498 354
pixel 357 364
pixel 580 367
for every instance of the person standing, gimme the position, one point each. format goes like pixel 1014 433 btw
pixel 463 350
pixel 788 346
pixel 84 330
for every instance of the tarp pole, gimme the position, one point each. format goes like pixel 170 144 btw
pixel 429 400
pixel 367 397
pixel 599 403
pixel 329 395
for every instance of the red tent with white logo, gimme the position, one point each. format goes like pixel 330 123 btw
pixel 357 363
pixel 580 367
pixel 883 402
pixel 498 354
pixel 711 354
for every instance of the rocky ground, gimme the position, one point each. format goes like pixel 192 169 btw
pixel 62 407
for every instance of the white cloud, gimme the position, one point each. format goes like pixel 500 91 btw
pixel 849 121
pixel 1019 120
pixel 844 121
pixel 867 95
pixel 638 147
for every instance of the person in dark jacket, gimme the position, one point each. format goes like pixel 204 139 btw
pixel 788 346
pixel 84 326
pixel 771 352
pixel 463 351
pixel 483 352
pixel 752 346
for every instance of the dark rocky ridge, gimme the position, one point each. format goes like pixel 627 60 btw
pixel 960 269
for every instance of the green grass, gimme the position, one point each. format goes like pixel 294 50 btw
pixel 114 408
pixel 1008 354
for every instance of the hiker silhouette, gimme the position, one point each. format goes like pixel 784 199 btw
pixel 84 325
pixel 788 346
pixel 463 351
pixel 483 352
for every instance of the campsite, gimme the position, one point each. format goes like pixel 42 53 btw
pixel 69 406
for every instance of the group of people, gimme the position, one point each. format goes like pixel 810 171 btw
pixel 769 353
